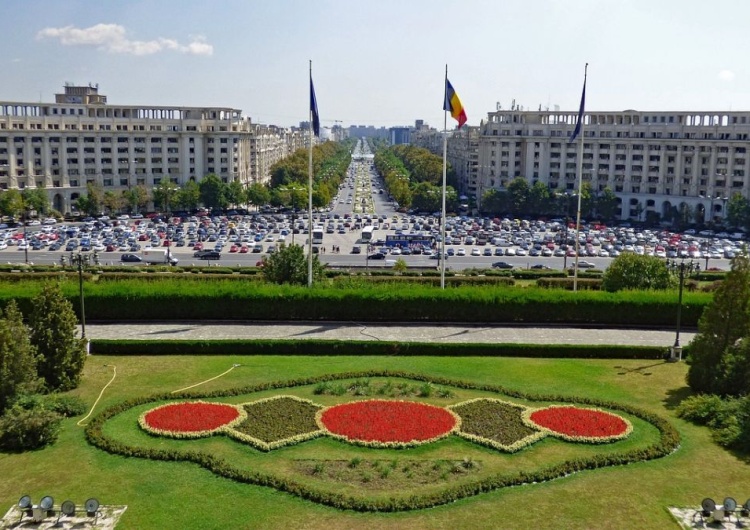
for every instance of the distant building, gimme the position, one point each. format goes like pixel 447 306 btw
pixel 399 135
pixel 82 139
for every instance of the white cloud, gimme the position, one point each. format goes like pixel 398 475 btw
pixel 112 38
pixel 726 75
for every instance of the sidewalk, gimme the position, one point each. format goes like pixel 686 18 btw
pixel 449 333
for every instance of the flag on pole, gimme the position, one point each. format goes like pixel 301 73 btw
pixel 577 130
pixel 314 110
pixel 453 105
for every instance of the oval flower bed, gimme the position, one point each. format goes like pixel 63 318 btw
pixel 383 423
pixel 190 419
pixel 577 424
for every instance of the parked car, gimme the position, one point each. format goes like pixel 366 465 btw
pixel 583 265
pixel 209 254
pixel 502 265
pixel 356 249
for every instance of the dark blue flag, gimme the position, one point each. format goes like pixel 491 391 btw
pixel 314 110
pixel 577 130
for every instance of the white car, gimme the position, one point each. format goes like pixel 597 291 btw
pixel 461 252
pixel 476 252
pixel 3 245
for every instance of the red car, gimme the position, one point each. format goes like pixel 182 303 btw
pixel 233 248
pixel 243 250
pixel 198 246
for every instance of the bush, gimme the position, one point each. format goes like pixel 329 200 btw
pixel 634 271
pixel 24 429
pixel 728 418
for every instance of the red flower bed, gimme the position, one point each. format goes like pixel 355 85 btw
pixel 190 417
pixel 380 421
pixel 576 422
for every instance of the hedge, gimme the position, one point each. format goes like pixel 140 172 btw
pixel 180 297
pixel 318 347
pixel 669 441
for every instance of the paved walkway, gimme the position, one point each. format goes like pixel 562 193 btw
pixel 387 332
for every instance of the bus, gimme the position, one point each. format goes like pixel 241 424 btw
pixel 317 235
pixel 367 234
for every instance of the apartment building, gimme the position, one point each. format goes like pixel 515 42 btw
pixel 656 162
pixel 82 139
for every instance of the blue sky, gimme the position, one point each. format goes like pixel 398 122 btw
pixel 381 62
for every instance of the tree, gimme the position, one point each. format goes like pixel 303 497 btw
pixel 738 211
pixel 540 199
pixel 53 334
pixel 289 265
pixel 213 192
pixel 719 358
pixel 18 358
pixel 188 197
pixel 36 199
pixel 136 197
pixel 113 201
pixel 606 204
pixel 258 194
pixel 164 193
pixel 634 271
pixel 11 202
pixel 518 190
pixel 235 193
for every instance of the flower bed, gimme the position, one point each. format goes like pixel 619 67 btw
pixel 383 423
pixel 577 424
pixel 495 423
pixel 190 419
pixel 277 422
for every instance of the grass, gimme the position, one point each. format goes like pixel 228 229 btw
pixel 178 495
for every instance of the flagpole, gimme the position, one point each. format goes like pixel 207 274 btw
pixel 580 184
pixel 309 198
pixel 441 257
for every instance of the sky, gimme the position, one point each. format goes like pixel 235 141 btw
pixel 383 62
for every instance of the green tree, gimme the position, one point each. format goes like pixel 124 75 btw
pixel 11 203
pixel 289 265
pixel 113 201
pixel 719 358
pixel 518 189
pixel 135 198
pixel 36 199
pixel 738 211
pixel 188 196
pixel 235 193
pixel 606 204
pixel 426 197
pixel 540 199
pixel 213 192
pixel 633 271
pixel 258 194
pixel 53 334
pixel 18 359
pixel 165 193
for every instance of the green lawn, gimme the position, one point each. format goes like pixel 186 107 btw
pixel 181 495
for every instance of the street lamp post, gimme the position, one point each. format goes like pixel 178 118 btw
pixel 79 260
pixel 25 240
pixel 676 351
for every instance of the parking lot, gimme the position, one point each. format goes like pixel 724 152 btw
pixel 360 228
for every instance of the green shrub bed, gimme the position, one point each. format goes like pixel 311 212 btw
pixel 278 418
pixel 336 347
pixel 668 441
pixel 495 423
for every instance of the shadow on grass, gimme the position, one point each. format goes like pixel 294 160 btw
pixel 643 370
pixel 675 396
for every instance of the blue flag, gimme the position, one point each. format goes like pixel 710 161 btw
pixel 577 130
pixel 314 110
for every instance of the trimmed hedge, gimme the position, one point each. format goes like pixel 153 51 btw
pixel 669 441
pixel 179 297
pixel 340 347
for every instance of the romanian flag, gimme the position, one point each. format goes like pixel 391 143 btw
pixel 453 105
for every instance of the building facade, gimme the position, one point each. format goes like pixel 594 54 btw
pixel 81 139
pixel 655 162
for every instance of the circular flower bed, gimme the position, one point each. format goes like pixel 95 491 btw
pixel 190 419
pixel 381 423
pixel 580 424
